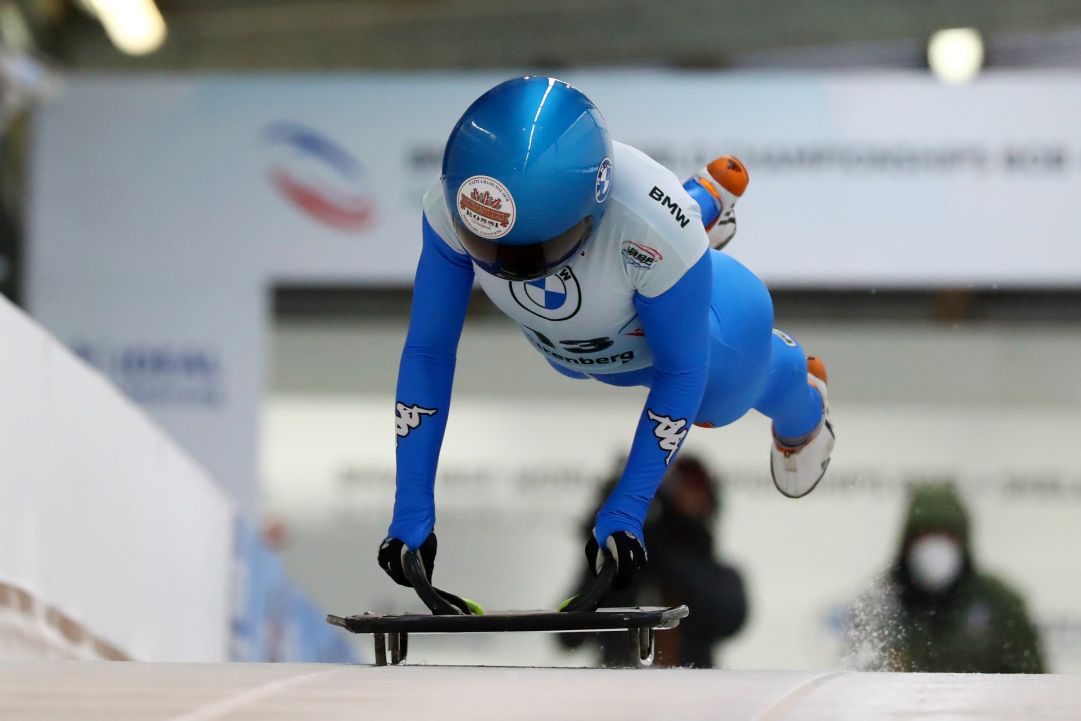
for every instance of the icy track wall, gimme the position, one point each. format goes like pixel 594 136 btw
pixel 114 544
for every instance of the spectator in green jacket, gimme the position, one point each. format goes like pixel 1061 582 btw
pixel 934 610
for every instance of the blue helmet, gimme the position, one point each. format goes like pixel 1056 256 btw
pixel 526 174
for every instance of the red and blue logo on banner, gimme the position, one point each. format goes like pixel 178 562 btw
pixel 320 177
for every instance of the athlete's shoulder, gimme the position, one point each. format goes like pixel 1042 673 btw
pixel 438 215
pixel 662 225
pixel 652 191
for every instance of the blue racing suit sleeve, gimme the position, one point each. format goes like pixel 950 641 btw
pixel 444 282
pixel 676 324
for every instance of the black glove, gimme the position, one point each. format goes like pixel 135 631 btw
pixel 391 551
pixel 623 548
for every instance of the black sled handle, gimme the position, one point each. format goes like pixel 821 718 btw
pixel 440 603
pixel 590 598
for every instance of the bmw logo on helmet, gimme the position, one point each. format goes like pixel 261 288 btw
pixel 604 180
pixel 526 175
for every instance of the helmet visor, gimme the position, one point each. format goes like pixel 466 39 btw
pixel 524 262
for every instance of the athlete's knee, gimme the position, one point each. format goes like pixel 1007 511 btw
pixel 787 355
pixel 786 380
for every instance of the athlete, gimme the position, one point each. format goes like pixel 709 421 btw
pixel 604 260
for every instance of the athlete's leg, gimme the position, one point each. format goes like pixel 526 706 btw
pixel 741 323
pixel 750 365
pixel 794 405
pixel 802 433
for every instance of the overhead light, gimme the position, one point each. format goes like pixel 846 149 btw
pixel 955 55
pixel 136 27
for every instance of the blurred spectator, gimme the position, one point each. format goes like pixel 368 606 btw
pixel 682 569
pixel 934 611
pixel 275 533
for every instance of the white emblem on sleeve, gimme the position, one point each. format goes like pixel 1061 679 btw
pixel 406 418
pixel 669 433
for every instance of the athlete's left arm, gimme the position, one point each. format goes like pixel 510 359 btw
pixel 676 325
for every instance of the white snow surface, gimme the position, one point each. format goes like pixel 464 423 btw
pixel 90 691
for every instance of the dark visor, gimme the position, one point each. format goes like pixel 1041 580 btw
pixel 524 262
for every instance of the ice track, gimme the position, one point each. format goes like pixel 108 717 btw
pixel 90 691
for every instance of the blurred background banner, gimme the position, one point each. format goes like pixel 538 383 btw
pixel 166 209
pixel 319 178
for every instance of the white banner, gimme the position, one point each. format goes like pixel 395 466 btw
pixel 856 181
pixel 163 209
pixel 113 542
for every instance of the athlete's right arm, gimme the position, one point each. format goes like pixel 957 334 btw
pixel 441 293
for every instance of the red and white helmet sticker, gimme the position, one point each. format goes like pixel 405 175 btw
pixel 486 207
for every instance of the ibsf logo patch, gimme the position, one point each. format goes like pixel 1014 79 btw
pixel 639 255
pixel 319 177
pixel 486 207
pixel 604 180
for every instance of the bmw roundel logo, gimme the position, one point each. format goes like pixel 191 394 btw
pixel 604 180
pixel 556 297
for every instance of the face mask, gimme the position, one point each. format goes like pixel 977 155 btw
pixel 934 562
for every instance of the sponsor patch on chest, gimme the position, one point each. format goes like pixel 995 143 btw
pixel 639 255
pixel 556 297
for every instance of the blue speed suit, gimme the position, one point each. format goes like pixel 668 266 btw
pixel 715 356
